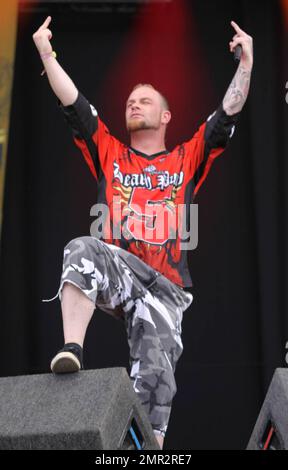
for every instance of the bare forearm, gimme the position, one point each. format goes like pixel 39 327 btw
pixel 60 82
pixel 237 92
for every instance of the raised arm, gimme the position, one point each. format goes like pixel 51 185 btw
pixel 237 92
pixel 60 82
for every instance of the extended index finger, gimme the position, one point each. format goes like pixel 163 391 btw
pixel 236 27
pixel 46 23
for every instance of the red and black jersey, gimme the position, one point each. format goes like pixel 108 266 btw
pixel 147 190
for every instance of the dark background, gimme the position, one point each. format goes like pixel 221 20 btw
pixel 235 331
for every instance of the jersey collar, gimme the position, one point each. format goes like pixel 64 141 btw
pixel 149 157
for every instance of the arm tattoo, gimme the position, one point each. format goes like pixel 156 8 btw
pixel 237 92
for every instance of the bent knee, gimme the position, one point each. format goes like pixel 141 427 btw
pixel 81 244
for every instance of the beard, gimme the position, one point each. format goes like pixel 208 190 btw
pixel 139 124
pixel 136 125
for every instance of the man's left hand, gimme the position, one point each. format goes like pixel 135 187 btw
pixel 246 42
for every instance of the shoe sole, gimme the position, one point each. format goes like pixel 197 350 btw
pixel 65 363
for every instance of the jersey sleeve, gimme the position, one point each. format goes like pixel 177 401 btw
pixel 208 143
pixel 90 134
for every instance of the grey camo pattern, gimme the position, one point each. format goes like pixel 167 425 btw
pixel 149 304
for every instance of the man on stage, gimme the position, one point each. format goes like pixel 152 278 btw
pixel 139 276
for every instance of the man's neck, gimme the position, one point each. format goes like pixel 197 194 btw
pixel 147 141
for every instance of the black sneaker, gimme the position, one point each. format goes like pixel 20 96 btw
pixel 68 359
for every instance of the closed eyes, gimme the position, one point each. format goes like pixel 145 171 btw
pixel 143 100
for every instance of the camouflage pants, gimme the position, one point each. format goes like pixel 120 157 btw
pixel 149 304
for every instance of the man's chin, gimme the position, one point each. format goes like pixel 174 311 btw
pixel 136 125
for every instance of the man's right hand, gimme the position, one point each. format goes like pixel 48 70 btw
pixel 42 37
pixel 60 82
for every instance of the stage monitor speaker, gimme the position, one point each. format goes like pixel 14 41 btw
pixel 93 409
pixel 271 428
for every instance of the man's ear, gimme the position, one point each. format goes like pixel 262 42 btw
pixel 166 116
